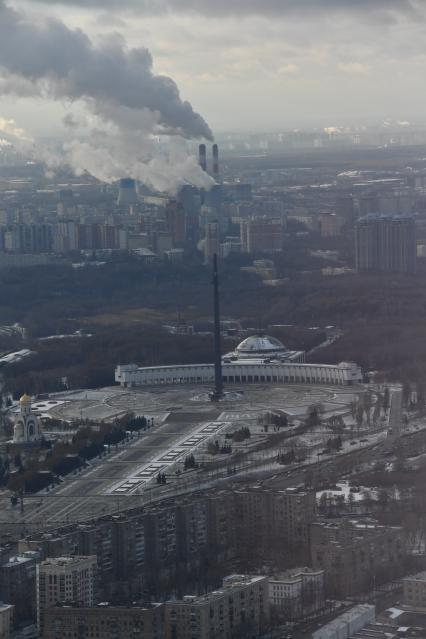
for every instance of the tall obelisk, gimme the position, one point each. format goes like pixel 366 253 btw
pixel 217 394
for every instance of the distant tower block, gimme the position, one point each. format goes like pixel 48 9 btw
pixel 216 170
pixel 202 156
pixel 127 195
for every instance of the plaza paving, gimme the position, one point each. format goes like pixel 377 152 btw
pixel 180 414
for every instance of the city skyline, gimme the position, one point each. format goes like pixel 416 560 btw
pixel 212 319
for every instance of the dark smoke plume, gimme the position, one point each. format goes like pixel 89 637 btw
pixel 49 58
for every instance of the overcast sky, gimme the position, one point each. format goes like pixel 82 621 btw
pixel 259 64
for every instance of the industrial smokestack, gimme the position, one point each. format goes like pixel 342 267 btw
pixel 218 380
pixel 202 156
pixel 215 161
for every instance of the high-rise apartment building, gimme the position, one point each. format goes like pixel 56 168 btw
pixel 356 555
pixel 262 235
pixel 190 198
pixel 240 606
pixel 331 225
pixel 18 583
pixel 186 543
pixel 176 222
pixel 65 579
pixel 346 210
pixel 274 523
pixel 386 244
pixel 29 238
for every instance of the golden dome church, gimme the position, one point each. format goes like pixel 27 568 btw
pixel 27 426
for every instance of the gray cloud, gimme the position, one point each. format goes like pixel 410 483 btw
pixel 247 7
pixel 51 59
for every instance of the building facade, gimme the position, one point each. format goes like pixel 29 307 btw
pixel 18 584
pixel 105 622
pixel 414 590
pixel 356 556
pixel 386 244
pixel 27 426
pixel 189 543
pixel 6 620
pixel 257 359
pixel 240 606
pixel 262 235
pixel 65 579
pixel 297 594
pixel 274 525
pixel 242 372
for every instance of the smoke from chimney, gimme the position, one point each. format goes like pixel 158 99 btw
pixel 129 105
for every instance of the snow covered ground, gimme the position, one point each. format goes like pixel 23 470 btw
pixel 343 489
pixel 17 356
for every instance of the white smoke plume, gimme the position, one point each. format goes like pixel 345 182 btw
pixel 109 152
pixel 128 105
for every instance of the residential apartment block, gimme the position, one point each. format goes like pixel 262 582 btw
pixel 241 605
pixel 356 555
pixel 297 594
pixel 64 579
pixel 105 621
pixel 414 590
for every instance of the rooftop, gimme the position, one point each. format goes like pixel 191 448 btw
pixel 260 344
pixel 347 617
pixel 5 606
pixel 293 574
pixel 20 559
pixel 134 605
pixel 233 581
pixel 420 576
pixel 62 562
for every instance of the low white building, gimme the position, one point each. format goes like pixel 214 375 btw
pixel 258 359
pixel 249 372
pixel 347 624
pixel 297 594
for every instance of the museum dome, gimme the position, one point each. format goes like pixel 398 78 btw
pixel 261 345
pixel 25 399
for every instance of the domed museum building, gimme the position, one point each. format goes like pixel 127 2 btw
pixel 258 359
